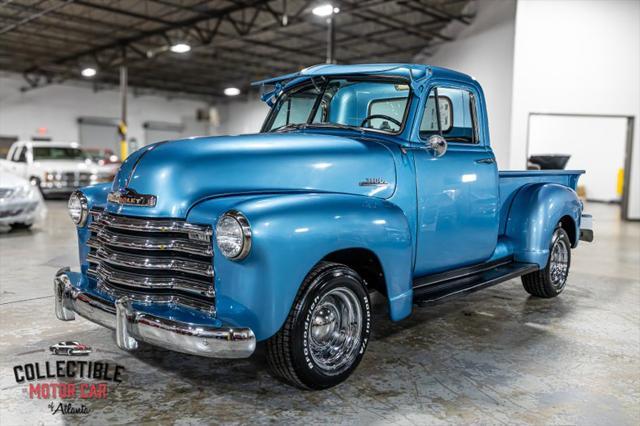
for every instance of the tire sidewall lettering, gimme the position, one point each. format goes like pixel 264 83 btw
pixel 319 289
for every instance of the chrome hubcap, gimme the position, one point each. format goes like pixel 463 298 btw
pixel 559 263
pixel 335 330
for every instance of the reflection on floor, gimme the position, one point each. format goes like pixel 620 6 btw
pixel 497 356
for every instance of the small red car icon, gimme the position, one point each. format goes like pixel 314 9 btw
pixel 70 348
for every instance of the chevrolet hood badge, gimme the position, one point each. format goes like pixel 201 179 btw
pixel 130 197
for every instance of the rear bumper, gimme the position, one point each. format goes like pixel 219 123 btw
pixel 586 228
pixel 133 325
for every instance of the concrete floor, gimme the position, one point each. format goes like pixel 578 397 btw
pixel 497 356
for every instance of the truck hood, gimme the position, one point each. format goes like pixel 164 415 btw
pixel 183 172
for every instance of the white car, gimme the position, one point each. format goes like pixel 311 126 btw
pixel 55 167
pixel 20 202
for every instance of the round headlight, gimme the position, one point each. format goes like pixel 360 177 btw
pixel 78 208
pixel 233 235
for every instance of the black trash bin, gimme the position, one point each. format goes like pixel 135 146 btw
pixel 551 161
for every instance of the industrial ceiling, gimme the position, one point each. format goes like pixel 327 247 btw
pixel 231 42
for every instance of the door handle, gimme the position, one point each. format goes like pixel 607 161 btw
pixel 486 161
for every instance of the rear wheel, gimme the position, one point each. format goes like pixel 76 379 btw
pixel 326 333
pixel 550 281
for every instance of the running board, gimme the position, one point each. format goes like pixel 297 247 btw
pixel 427 291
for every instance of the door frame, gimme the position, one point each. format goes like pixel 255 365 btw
pixel 628 151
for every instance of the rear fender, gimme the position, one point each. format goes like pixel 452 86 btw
pixel 534 215
pixel 290 234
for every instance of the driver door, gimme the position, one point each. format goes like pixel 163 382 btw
pixel 458 191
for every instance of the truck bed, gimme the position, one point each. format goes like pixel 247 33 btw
pixel 512 180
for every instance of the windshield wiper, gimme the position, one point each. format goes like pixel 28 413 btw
pixel 335 126
pixel 299 126
pixel 290 126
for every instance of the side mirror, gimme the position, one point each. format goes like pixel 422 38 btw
pixel 437 145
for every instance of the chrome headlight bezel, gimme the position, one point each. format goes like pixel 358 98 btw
pixel 83 203
pixel 244 235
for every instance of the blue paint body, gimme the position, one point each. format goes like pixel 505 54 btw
pixel 302 195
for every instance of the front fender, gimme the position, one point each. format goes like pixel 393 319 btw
pixel 534 215
pixel 97 194
pixel 290 234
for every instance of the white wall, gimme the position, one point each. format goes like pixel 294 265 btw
pixel 58 107
pixel 484 50
pixel 577 57
pixel 581 138
pixel 241 116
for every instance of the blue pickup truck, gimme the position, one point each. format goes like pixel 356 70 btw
pixel 363 178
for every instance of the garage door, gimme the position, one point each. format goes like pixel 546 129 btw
pixel 99 132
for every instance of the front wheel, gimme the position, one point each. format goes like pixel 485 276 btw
pixel 550 281
pixel 326 333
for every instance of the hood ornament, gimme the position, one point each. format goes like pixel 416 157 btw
pixel 127 196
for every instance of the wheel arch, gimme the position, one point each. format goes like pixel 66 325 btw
pixel 365 262
pixel 570 226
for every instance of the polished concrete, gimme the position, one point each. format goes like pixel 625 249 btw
pixel 494 357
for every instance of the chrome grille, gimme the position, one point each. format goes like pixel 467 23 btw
pixel 75 179
pixel 152 259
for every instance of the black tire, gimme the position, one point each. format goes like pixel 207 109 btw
pixel 550 281
pixel 21 225
pixel 289 352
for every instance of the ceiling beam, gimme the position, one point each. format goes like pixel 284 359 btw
pixel 35 16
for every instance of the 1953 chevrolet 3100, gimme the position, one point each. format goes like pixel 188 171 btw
pixel 364 177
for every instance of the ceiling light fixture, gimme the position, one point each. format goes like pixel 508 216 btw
pixel 325 10
pixel 88 72
pixel 180 48
pixel 232 91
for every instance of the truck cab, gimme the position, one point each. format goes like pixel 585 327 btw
pixel 364 178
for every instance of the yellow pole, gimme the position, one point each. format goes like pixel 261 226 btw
pixel 620 185
pixel 122 126
pixel 124 148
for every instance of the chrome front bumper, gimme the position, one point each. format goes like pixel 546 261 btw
pixel 132 325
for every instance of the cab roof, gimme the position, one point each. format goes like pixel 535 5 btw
pixel 409 71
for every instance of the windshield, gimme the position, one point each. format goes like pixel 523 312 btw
pixel 58 153
pixel 344 103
